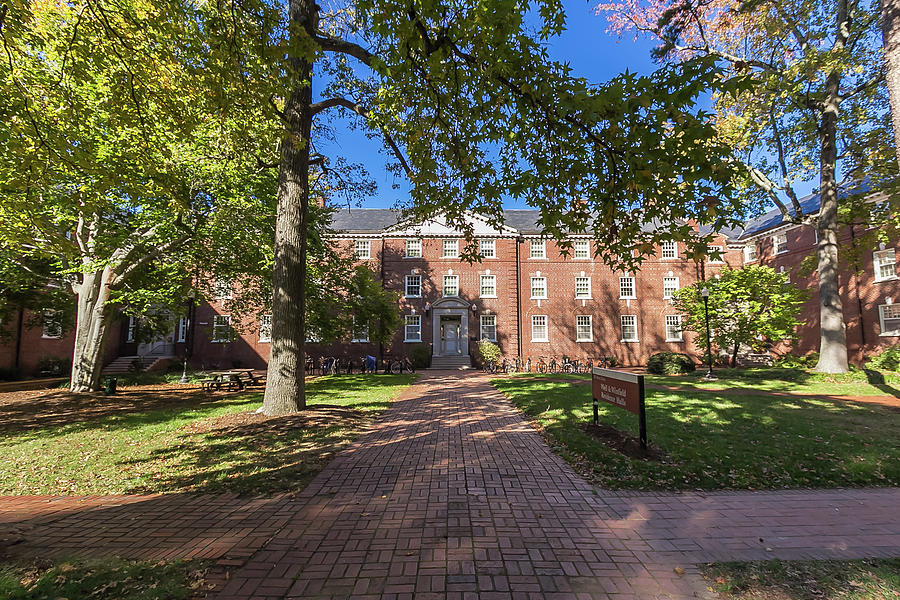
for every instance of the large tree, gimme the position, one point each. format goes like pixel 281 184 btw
pixel 816 108
pixel 473 111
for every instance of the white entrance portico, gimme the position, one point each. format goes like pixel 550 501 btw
pixel 450 327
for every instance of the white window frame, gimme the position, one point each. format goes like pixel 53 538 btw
pixel 50 334
pixel 622 281
pixel 579 327
pixel 674 322
pixel 585 294
pixel 407 285
pixel 220 293
pixel 181 336
pixel 484 328
pixel 885 258
pixel 537 249
pixel 668 250
pixel 581 249
pixel 413 248
pixel 362 249
pixel 221 329
pixel 265 329
pixel 669 293
pixel 492 286
pixel 716 261
pixel 450 248
pixel 538 322
pixel 750 252
pixel 488 248
pixel 542 288
pixel 359 335
pixel 412 323
pixel 779 243
pixel 454 286
pixel 887 331
pixel 633 323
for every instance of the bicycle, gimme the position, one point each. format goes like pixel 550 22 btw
pixel 399 365
pixel 587 366
pixel 541 365
pixel 569 366
pixel 553 367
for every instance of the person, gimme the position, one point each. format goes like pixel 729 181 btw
pixel 370 363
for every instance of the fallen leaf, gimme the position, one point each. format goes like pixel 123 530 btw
pixel 678 571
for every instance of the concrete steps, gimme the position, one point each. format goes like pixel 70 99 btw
pixel 453 363
pixel 126 364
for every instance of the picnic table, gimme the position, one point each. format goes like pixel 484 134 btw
pixel 234 378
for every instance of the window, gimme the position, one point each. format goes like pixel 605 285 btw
pixel 885 265
pixel 716 254
pixel 538 249
pixel 451 285
pixel 413 328
pixel 582 288
pixel 489 248
pixel 360 332
pixel 51 325
pixel 584 332
pixel 413 286
pixel 131 333
pixel 890 319
pixel 538 288
pixel 539 328
pixel 629 328
pixel 581 249
pixel 749 253
pixel 451 249
pixel 626 288
pixel 779 243
pixel 489 327
pixel 413 248
pixel 265 328
pixel 223 289
pixel 182 330
pixel 669 250
pixel 673 328
pixel 221 331
pixel 670 285
pixel 362 249
pixel 488 286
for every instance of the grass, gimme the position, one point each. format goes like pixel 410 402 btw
pixel 172 440
pixel 101 579
pixel 806 580
pixel 719 441
pixel 854 383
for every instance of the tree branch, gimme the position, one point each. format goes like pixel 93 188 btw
pixel 779 145
pixel 331 43
pixel 768 186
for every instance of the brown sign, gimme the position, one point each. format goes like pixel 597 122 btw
pixel 618 388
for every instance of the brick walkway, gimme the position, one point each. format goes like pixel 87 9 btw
pixel 452 495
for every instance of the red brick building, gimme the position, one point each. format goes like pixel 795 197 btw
pixel 535 302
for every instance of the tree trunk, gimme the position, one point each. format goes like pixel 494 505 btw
pixel 734 354
pixel 285 388
pixel 833 334
pixel 91 328
pixel 890 33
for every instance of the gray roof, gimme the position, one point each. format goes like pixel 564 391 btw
pixel 808 204
pixel 364 220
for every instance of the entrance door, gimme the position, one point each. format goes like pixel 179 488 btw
pixel 450 333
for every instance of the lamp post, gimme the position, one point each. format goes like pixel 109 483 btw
pixel 709 373
pixel 189 306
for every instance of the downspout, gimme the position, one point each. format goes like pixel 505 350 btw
pixel 519 240
pixel 859 307
pixel 19 327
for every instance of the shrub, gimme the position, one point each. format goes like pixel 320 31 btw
pixel 670 363
pixel 886 360
pixel 488 351
pixel 612 361
pixel 420 355
pixel 53 367
pixel 791 361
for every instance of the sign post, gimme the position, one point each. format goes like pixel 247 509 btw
pixel 622 389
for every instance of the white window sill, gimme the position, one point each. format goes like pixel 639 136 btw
pixel 412 295
pixel 590 340
pixel 537 258
pixel 889 334
pixel 262 341
pixel 669 258
pixel 674 340
pixel 51 337
pixel 583 298
pixel 539 297
pixel 781 252
pixel 412 257
pixel 449 257
pixel 581 258
pixel 627 297
pixel 629 341
pixel 490 339
pixel 412 341
pixel 534 341
pixel 494 296
pixel 894 278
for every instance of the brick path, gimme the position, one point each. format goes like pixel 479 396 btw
pixel 452 495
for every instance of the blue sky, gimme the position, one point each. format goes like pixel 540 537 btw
pixel 585 45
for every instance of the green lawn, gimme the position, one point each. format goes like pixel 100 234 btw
pixel 169 439
pixel 718 441
pixel 101 579
pixel 806 580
